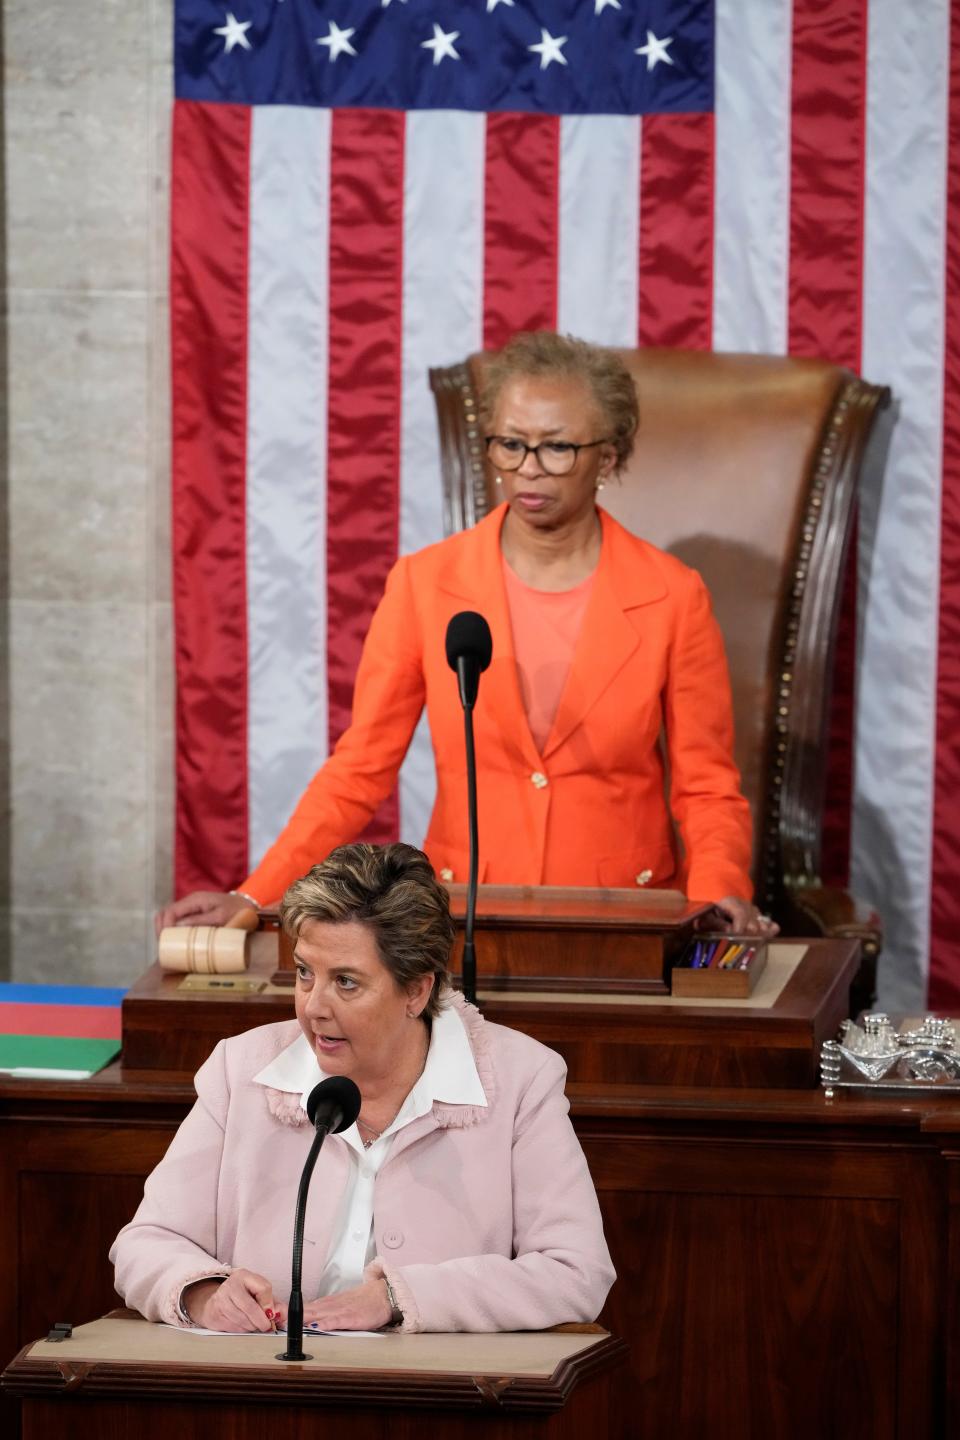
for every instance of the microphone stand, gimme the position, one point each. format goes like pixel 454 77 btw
pixel 295 1350
pixel 469 977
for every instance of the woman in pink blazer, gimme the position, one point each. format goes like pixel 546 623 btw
pixel 460 1199
pixel 603 646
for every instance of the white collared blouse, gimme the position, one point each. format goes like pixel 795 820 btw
pixel 448 1076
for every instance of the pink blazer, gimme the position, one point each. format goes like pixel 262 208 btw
pixel 485 1218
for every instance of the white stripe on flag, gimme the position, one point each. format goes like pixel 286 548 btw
pixel 442 324
pixel 899 581
pixel 599 225
pixel 639 194
pixel 286 462
pixel 752 181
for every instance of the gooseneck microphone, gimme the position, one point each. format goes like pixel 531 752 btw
pixel 332 1106
pixel 469 650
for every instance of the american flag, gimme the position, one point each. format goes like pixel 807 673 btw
pixel 365 188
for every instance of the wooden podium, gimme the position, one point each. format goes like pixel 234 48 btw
pixel 585 971
pixel 172 1022
pixel 120 1376
pixel 565 939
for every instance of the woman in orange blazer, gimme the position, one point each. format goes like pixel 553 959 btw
pixel 587 805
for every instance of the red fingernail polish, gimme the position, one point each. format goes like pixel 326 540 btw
pixel 269 1314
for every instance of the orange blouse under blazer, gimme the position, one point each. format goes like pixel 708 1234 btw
pixel 589 810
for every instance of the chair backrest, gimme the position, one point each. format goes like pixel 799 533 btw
pixel 746 467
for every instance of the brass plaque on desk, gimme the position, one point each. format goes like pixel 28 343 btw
pixel 222 984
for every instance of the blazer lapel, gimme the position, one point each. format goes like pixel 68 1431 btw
pixel 410 1134
pixel 624 579
pixel 477 580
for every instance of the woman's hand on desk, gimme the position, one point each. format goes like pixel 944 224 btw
pixel 241 1304
pixel 365 1307
pixel 201 907
pixel 743 918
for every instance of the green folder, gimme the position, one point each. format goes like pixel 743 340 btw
pixel 54 1055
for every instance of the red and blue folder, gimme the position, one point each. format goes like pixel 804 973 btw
pixel 58 1031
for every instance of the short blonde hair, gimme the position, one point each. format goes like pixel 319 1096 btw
pixel 543 354
pixel 393 891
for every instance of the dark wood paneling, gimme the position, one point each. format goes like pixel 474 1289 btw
pixel 67 1184
pixel 103 1420
pixel 68 1221
pixel 776 1286
pixel 735 1303
pixel 788 1266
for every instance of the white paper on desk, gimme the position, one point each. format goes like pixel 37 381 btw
pixel 307 1332
pixel 44 1072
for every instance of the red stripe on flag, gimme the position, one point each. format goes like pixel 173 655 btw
pixel 208 284
pixel 944 985
pixel 363 469
pixel 825 318
pixel 521 225
pixel 676 231
pixel 78 1022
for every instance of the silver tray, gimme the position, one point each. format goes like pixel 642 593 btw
pixel 915 1057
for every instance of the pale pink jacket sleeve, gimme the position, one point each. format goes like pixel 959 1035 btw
pixel 561 1270
pixel 172 1239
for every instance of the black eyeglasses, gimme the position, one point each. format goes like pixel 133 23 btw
pixel 556 457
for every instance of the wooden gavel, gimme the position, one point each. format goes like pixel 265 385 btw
pixel 208 949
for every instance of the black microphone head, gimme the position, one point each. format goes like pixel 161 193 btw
pixel 336 1098
pixel 468 634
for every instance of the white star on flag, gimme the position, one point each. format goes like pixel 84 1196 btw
pixel 655 50
pixel 441 44
pixel 549 48
pixel 338 40
pixel 385 3
pixel 492 4
pixel 234 32
pixel 601 5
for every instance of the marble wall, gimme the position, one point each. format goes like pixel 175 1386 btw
pixel 86 708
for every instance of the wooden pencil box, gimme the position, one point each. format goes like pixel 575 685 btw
pixel 701 974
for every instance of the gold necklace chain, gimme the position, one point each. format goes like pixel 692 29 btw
pixel 376 1134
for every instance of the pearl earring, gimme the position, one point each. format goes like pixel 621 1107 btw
pixel 498 480
pixel 600 484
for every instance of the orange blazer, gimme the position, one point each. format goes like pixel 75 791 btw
pixel 589 810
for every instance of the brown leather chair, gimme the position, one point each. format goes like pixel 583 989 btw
pixel 746 467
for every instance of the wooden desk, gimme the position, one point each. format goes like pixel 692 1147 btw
pixel 119 1376
pixel 788 1265
pixel 610 1039
pixel 558 937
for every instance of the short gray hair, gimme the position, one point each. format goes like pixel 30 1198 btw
pixel 543 354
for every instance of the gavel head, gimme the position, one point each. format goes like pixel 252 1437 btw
pixel 203 949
